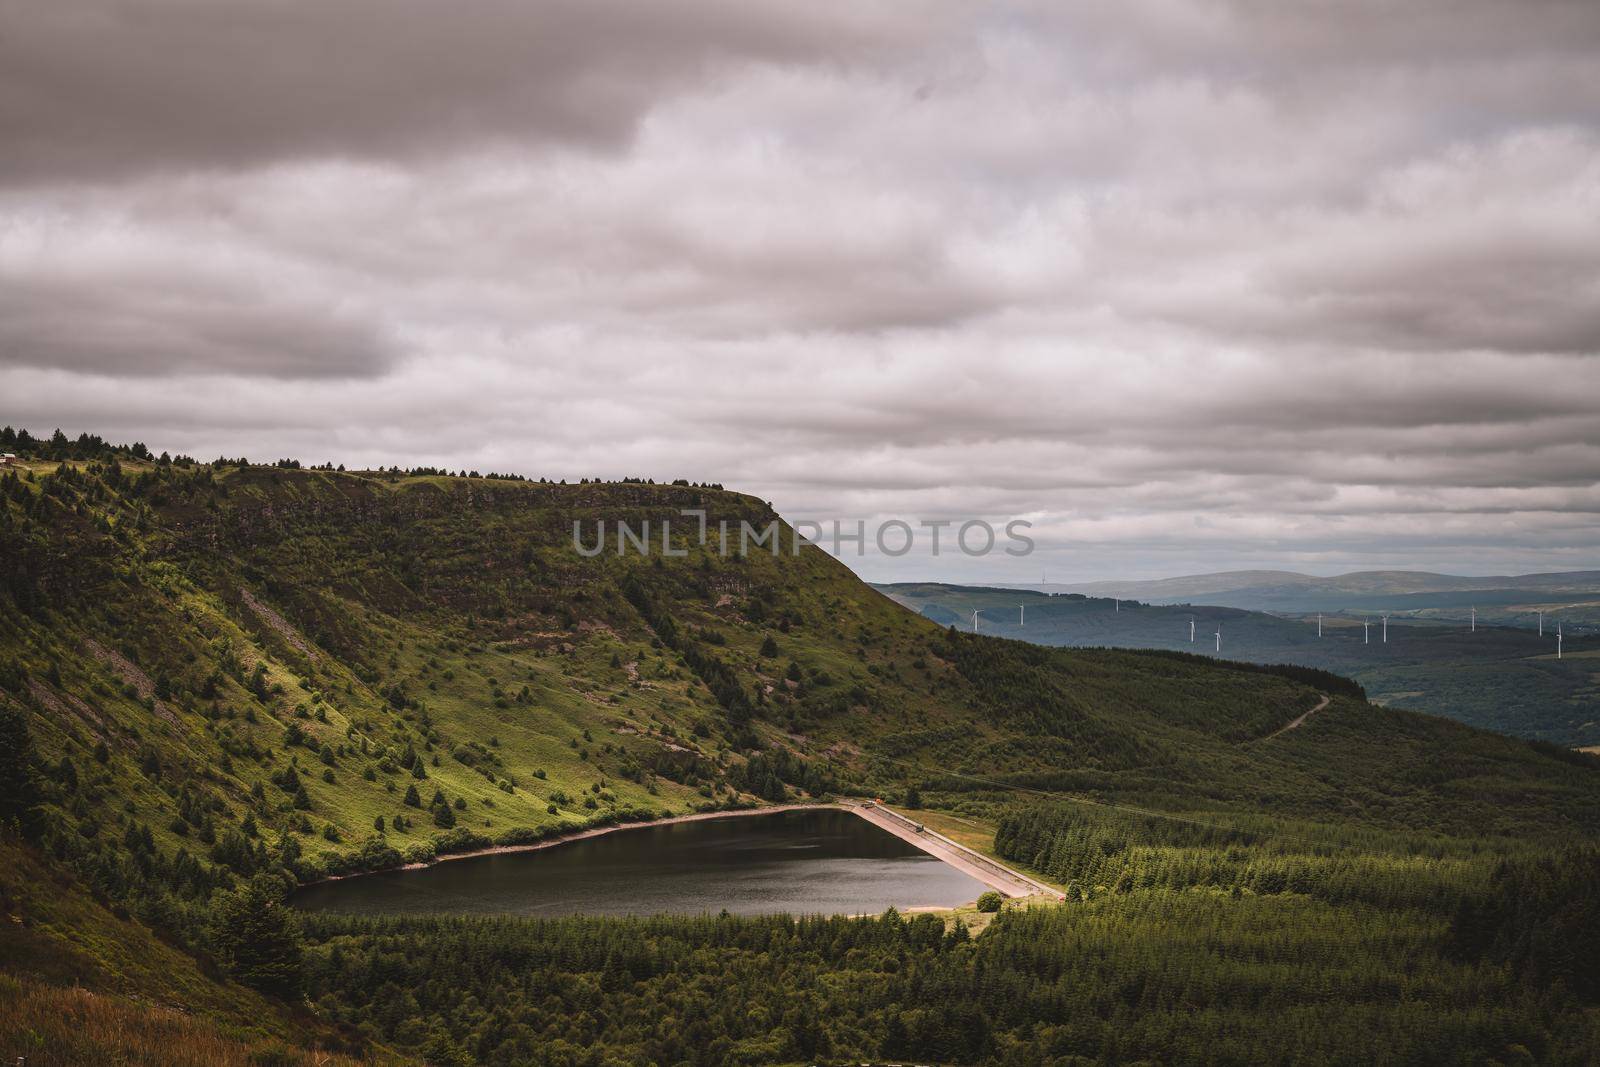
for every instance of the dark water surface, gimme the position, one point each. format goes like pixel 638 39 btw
pixel 803 862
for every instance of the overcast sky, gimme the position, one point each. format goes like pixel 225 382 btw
pixel 1189 284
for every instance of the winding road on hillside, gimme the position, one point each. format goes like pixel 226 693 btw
pixel 1285 729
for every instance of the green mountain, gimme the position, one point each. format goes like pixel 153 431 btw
pixel 1497 677
pixel 222 679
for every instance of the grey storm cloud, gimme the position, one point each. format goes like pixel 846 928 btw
pixel 160 327
pixel 1202 282
pixel 121 86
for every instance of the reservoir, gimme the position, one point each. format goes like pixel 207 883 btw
pixel 816 862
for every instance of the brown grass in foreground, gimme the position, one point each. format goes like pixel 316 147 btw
pixel 54 1026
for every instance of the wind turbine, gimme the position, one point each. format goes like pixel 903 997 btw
pixel 1558 644
pixel 974 620
pixel 1116 605
pixel 1366 639
pixel 1539 613
pixel 1474 620
pixel 1022 614
pixel 1191 629
pixel 1319 624
pixel 1386 627
pixel 1219 638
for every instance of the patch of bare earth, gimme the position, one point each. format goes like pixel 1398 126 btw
pixel 130 674
pixel 663 740
pixel 278 624
pixel 64 704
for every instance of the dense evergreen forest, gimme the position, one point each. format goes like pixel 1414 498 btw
pixel 219 681
pixel 1141 976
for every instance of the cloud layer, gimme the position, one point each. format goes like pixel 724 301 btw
pixel 1189 283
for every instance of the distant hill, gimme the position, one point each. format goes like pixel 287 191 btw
pixel 1269 584
pixel 1512 600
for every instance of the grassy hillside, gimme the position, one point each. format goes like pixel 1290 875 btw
pixel 238 677
pixel 1499 677
pixel 310 648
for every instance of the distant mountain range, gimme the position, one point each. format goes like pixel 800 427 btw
pixel 1262 590
pixel 1501 674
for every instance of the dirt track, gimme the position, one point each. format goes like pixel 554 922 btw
pixel 1285 729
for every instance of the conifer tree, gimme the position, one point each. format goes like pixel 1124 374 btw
pixel 19 782
pixel 257 936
